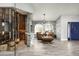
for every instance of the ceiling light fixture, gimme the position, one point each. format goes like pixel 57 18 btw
pixel 44 17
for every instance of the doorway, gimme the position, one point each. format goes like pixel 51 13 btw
pixel 73 30
pixel 38 28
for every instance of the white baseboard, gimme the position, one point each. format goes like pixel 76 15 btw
pixel 64 39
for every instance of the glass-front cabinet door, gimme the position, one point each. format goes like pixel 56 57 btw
pixel 7 29
pixel 12 30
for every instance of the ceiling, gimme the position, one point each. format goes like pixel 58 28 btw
pixel 54 10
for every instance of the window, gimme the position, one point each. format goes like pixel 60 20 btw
pixel 48 27
pixel 44 27
pixel 38 28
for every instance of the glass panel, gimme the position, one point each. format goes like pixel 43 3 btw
pixel 12 32
pixel 7 44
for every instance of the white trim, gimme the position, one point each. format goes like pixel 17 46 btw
pixel 64 39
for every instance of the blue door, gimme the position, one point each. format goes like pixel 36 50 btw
pixel 74 31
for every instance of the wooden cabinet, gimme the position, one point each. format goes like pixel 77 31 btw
pixel 21 26
pixel 14 23
pixel 6 24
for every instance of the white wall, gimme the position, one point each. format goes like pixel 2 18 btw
pixel 64 22
pixel 25 7
pixel 6 4
pixel 58 28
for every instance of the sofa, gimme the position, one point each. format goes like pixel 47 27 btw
pixel 45 37
pixel 39 35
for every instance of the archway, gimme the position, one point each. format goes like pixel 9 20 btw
pixel 38 28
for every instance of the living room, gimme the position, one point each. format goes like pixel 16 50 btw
pixel 55 24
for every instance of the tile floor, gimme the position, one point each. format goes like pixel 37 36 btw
pixel 37 48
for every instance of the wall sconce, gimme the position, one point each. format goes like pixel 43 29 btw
pixel 3 24
pixel 2 32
